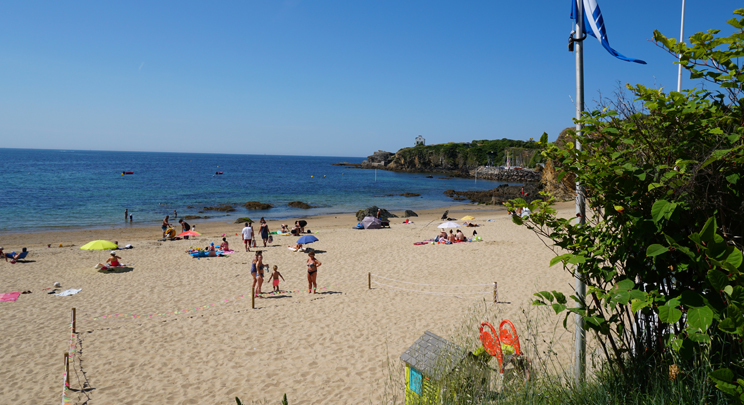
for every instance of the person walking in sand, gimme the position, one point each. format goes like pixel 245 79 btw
pixel 257 272
pixel 275 279
pixel 312 272
pixel 247 236
pixel 264 231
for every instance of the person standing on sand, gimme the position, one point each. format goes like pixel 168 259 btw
pixel 247 236
pixel 165 224
pixel 275 278
pixel 312 272
pixel 257 273
pixel 264 230
pixel 184 227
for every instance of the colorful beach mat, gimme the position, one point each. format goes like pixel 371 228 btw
pixel 9 296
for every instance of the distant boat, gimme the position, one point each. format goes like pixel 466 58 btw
pixel 123 173
pixel 217 172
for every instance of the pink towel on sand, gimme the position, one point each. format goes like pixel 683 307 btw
pixel 9 296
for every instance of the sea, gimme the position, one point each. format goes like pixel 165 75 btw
pixel 48 189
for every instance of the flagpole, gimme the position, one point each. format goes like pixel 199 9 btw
pixel 579 334
pixel 681 38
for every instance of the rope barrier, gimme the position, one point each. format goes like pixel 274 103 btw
pixel 436 285
pixel 430 292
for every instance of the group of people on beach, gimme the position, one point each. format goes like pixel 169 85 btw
pixel 259 269
pixel 12 257
pixel 249 236
pixel 452 237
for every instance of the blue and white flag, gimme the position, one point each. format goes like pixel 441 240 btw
pixel 594 26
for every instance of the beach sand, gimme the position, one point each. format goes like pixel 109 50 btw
pixel 330 347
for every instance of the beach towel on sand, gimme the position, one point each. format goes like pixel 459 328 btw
pixel 71 291
pixel 9 296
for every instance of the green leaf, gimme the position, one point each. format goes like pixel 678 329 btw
pixel 728 290
pixel 517 219
pixel 538 303
pixel 699 318
pixel 734 323
pixel 722 375
pixel 625 285
pixel 732 178
pixel 658 210
pixel 717 279
pixel 698 337
pixel 559 297
pixel 621 297
pixel 559 258
pixel 576 259
pixel 558 308
pixel 547 295
pixel 708 233
pixel 655 250
pixel 637 305
pixel 669 314
pixel 654 185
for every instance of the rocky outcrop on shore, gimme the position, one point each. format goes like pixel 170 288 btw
pixel 500 194
pixel 372 212
pixel 300 204
pixel 507 175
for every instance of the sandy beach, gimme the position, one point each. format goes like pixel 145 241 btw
pixel 182 330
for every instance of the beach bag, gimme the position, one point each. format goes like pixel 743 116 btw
pixel 254 243
pixel 271 239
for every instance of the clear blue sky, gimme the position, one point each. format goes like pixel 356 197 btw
pixel 327 78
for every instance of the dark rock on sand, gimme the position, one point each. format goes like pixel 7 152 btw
pixel 221 207
pixel 244 219
pixel 255 205
pixel 300 204
pixel 372 212
pixel 410 195
pixel 409 213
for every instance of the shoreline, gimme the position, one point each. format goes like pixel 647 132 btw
pixel 224 218
pixel 68 235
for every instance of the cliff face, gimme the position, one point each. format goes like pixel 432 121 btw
pixel 459 159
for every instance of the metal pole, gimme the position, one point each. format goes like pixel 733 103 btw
pixel 580 334
pixel 681 38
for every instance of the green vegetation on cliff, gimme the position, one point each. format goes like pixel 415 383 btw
pixel 455 156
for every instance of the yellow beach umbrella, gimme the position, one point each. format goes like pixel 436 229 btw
pixel 467 218
pixel 99 245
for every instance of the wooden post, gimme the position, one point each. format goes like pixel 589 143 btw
pixel 495 292
pixel 253 299
pixel 369 281
pixel 67 369
pixel 73 321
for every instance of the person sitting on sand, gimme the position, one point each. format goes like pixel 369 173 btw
pixel 211 251
pixel 3 254
pixel 441 237
pixel 274 277
pixel 224 245
pixel 459 236
pixel 312 272
pixel 112 261
pixel 285 228
pixel 451 237
pixel 13 256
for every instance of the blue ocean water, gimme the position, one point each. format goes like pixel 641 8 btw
pixel 55 189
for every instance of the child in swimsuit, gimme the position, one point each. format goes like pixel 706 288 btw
pixel 275 278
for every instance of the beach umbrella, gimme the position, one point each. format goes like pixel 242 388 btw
pixel 467 218
pixel 449 225
pixel 371 223
pixel 188 233
pixel 99 245
pixel 307 239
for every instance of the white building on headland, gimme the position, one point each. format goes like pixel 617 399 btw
pixel 419 141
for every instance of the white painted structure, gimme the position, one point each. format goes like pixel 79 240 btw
pixel 419 141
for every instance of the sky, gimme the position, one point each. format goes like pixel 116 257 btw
pixel 317 78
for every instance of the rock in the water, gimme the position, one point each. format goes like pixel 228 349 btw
pixel 410 195
pixel 196 217
pixel 244 219
pixel 255 205
pixel 221 207
pixel 372 212
pixel 300 204
pixel 409 213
